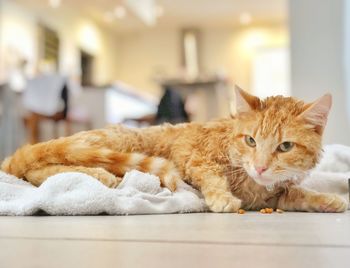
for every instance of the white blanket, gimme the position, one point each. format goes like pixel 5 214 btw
pixel 79 194
pixel 332 174
pixel 139 193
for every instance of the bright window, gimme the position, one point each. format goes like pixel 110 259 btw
pixel 271 72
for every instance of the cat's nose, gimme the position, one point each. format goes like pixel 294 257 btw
pixel 260 170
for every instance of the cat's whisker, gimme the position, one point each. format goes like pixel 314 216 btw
pixel 235 174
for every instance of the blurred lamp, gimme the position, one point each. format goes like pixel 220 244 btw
pixel 190 52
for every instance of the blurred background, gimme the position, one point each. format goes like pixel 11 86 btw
pixel 67 66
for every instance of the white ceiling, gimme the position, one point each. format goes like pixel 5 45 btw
pixel 177 13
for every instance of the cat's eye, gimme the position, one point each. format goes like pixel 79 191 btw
pixel 250 141
pixel 285 146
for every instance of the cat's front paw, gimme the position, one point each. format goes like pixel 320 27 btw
pixel 329 203
pixel 224 202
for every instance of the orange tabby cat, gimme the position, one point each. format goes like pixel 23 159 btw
pixel 255 159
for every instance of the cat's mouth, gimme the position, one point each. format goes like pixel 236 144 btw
pixel 270 179
pixel 265 179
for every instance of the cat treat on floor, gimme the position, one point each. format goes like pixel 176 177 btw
pixel 266 210
pixel 241 211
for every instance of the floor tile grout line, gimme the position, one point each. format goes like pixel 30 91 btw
pixel 194 242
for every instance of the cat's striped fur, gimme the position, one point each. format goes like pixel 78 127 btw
pixel 39 161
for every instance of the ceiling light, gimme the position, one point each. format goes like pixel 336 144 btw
pixel 245 18
pixel 159 11
pixel 54 3
pixel 119 12
pixel 143 9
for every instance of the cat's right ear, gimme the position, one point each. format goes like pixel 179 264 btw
pixel 244 102
pixel 316 113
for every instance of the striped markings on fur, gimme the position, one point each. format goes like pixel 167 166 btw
pixel 38 157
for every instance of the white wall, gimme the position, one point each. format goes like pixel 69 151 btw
pixel 148 54
pixel 157 51
pixel 15 23
pixel 137 58
pixel 347 54
pixel 19 31
pixel 317 58
pixel 233 49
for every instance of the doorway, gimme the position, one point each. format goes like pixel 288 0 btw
pixel 87 64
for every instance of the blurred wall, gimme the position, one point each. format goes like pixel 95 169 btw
pixel 232 50
pixel 317 58
pixel 19 34
pixel 157 52
pixel 148 55
pixel 14 23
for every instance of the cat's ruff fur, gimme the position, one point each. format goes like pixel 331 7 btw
pixel 213 157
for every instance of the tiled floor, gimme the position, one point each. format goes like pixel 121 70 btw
pixel 187 240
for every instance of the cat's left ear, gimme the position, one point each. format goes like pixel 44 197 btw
pixel 317 112
pixel 244 102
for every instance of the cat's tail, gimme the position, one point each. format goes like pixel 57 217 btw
pixel 19 162
pixel 60 152
pixel 5 166
pixel 29 157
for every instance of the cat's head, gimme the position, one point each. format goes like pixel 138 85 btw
pixel 278 138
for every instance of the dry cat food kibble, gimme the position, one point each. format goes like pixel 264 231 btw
pixel 266 210
pixel 269 210
pixel 241 211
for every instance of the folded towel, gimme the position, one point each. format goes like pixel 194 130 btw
pixel 332 174
pixel 139 193
pixel 75 193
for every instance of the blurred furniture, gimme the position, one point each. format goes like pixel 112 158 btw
pixel 171 108
pixel 211 93
pixel 32 122
pixel 212 100
pixel 46 98
pixel 120 97
pixel 67 108
pixel 11 126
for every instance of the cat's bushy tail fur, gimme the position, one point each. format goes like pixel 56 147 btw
pixel 59 152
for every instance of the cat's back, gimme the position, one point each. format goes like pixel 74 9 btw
pixel 158 140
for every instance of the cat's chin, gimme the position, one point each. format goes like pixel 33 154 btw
pixel 264 181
